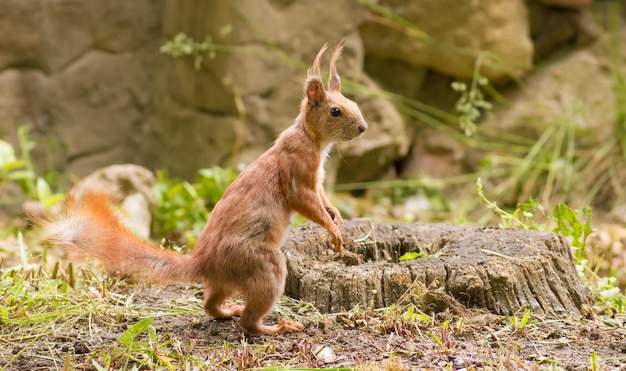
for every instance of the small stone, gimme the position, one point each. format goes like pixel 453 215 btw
pixel 325 354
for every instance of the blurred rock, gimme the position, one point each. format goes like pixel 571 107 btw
pixel 619 214
pixel 49 35
pixel 90 115
pixel 20 100
pixel 128 186
pixel 449 34
pixel 576 87
pixel 575 4
pixel 21 36
pixel 12 197
pixel 554 27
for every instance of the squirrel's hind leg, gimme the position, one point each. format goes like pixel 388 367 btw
pixel 214 305
pixel 258 307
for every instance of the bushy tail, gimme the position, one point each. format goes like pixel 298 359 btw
pixel 88 227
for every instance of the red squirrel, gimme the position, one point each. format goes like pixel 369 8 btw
pixel 239 249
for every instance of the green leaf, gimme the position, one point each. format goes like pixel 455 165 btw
pixel 525 318
pixel 411 256
pixel 569 224
pixel 133 331
pixel 152 338
pixel 21 174
pixel 7 154
pixel 43 190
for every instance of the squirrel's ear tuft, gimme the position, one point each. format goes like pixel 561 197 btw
pixel 334 82
pixel 314 87
pixel 314 71
pixel 315 92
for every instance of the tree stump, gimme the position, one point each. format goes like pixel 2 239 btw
pixel 501 270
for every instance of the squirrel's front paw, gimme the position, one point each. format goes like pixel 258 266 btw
pixel 338 243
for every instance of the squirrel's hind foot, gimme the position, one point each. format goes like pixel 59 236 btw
pixel 284 326
pixel 224 311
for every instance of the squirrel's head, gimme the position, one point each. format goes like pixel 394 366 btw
pixel 327 114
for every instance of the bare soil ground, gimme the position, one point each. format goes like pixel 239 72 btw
pixel 392 339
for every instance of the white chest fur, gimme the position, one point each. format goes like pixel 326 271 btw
pixel 323 156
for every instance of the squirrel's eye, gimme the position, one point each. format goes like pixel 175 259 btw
pixel 335 112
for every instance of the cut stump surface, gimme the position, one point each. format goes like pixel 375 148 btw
pixel 501 270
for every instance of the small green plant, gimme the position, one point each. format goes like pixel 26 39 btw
pixel 14 169
pixel 129 339
pixel 8 162
pixel 18 169
pixel 410 313
pixel 445 339
pixel 523 217
pixel 518 324
pixel 144 353
pixel 569 224
pixel 184 207
pixel 472 100
pixel 609 297
pixel 594 361
pixel 21 170
pixel 184 45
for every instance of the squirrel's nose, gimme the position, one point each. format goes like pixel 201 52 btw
pixel 362 127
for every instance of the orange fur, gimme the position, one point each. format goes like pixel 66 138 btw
pixel 239 248
pixel 89 227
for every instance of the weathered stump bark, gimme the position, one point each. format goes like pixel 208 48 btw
pixel 501 270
